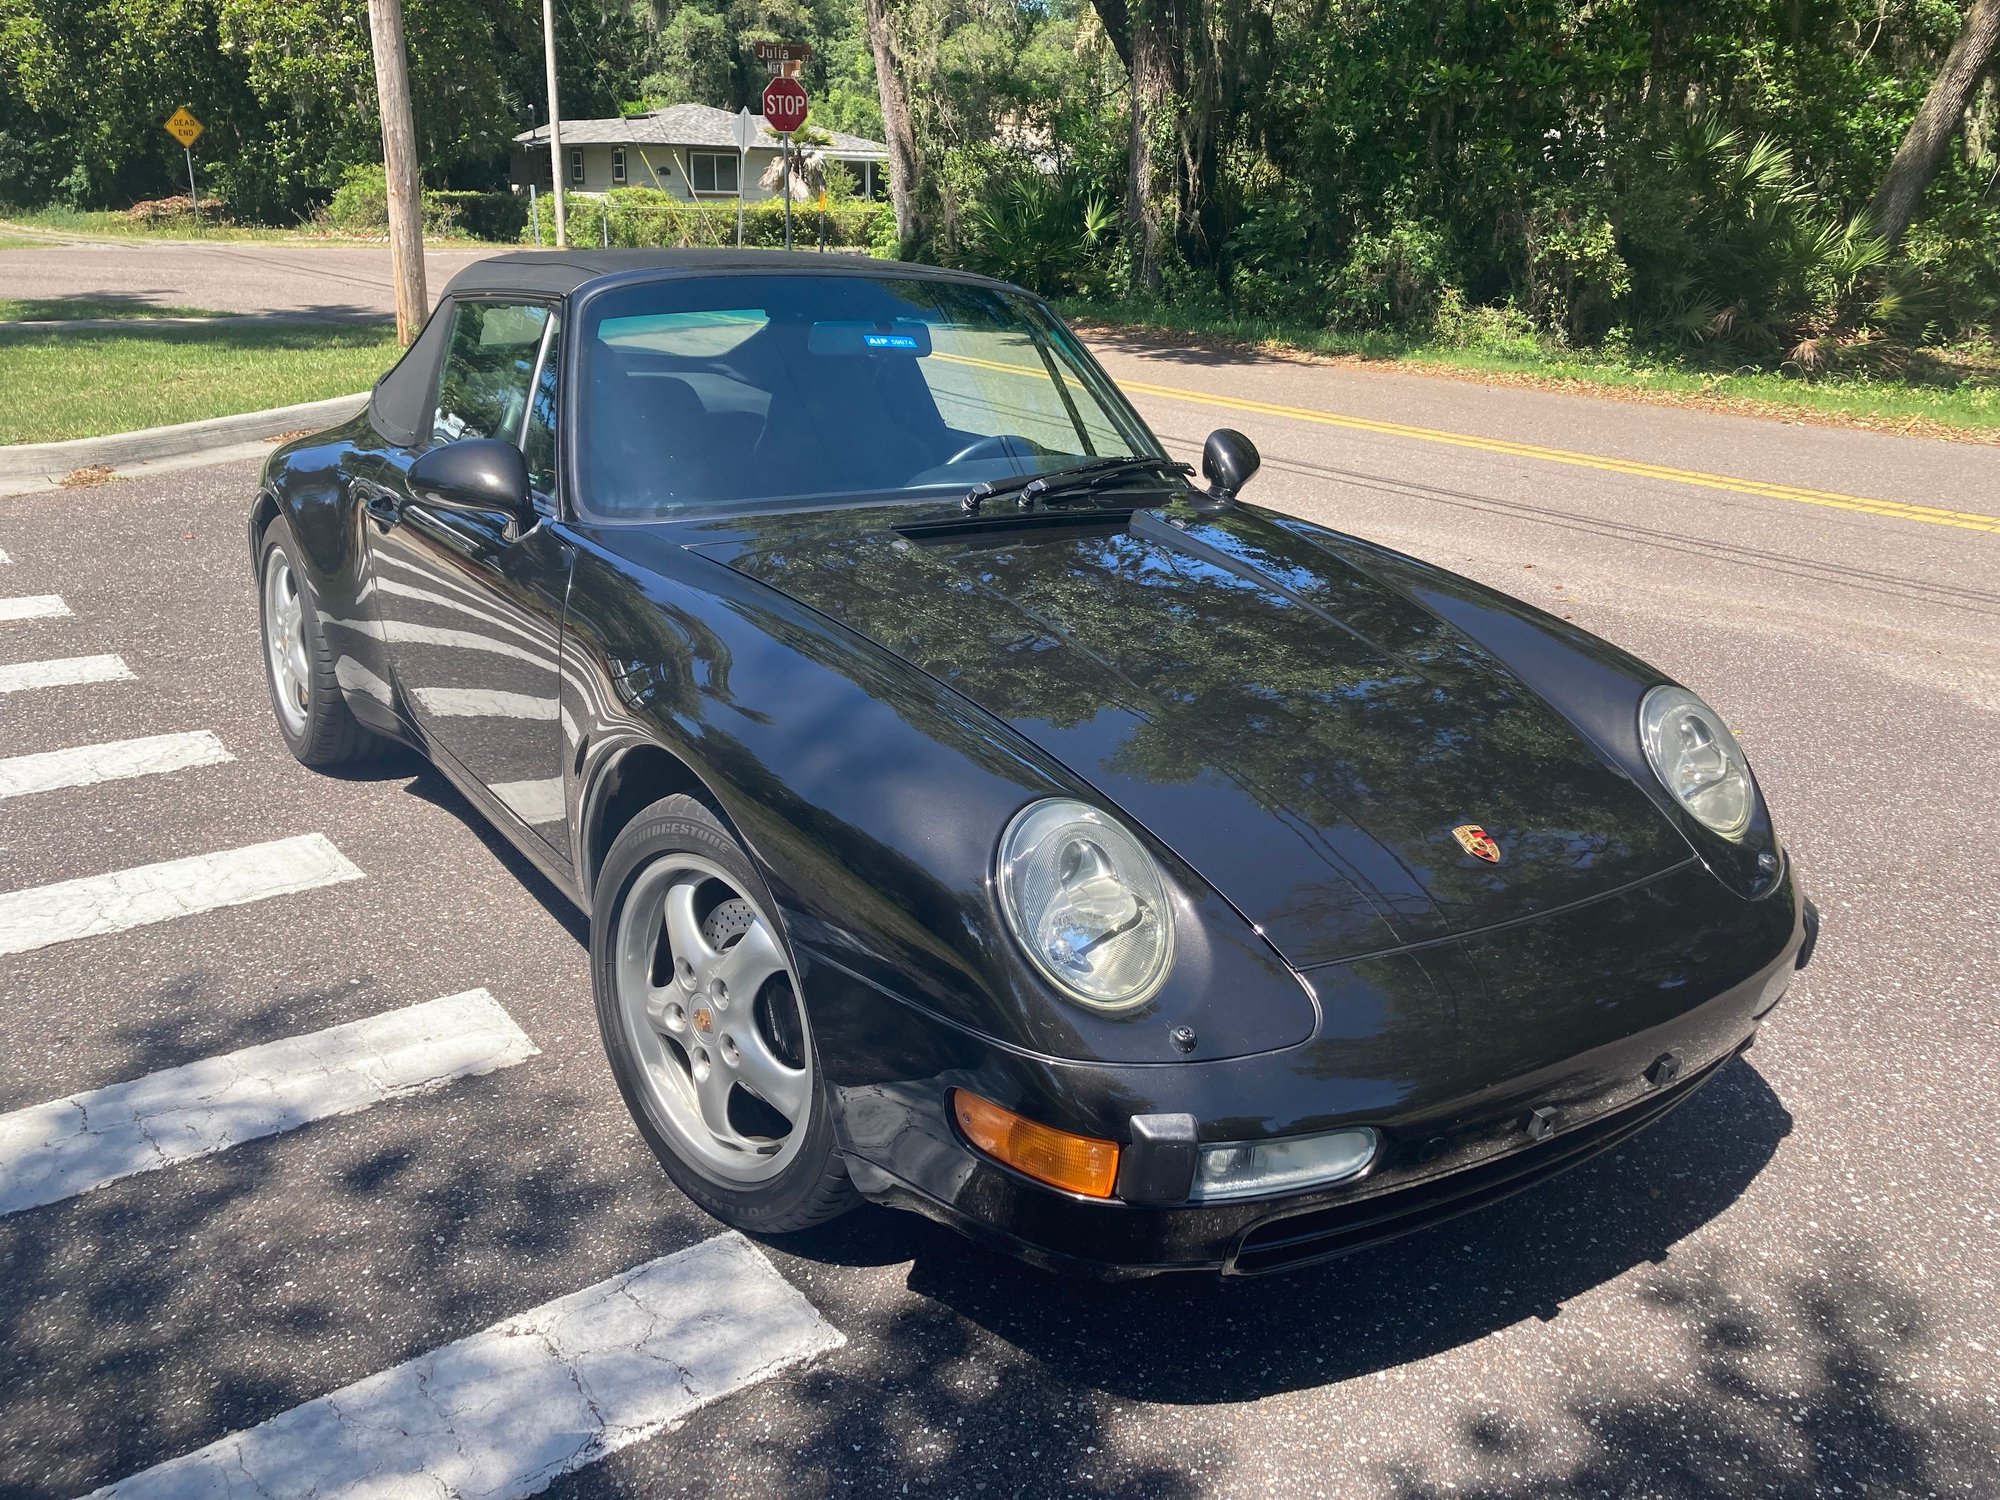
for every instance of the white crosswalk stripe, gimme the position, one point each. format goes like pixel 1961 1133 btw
pixel 69 671
pixel 52 1151
pixel 117 760
pixel 509 1410
pixel 34 607
pixel 42 916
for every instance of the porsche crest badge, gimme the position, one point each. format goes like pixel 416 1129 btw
pixel 1477 842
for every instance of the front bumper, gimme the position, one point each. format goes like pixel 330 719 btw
pixel 1062 1232
pixel 1462 1127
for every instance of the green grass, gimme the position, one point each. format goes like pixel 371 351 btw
pixel 1948 393
pixel 91 382
pixel 21 242
pixel 45 309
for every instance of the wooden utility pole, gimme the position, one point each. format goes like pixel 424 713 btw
pixel 555 120
pixel 399 164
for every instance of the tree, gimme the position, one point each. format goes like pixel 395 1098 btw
pixel 905 163
pixel 1917 160
pixel 691 61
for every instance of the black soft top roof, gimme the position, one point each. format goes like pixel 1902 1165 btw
pixel 399 407
pixel 560 272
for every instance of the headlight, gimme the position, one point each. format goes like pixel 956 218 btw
pixel 1087 903
pixel 1697 759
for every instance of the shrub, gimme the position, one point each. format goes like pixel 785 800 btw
pixel 498 216
pixel 1735 257
pixel 360 205
pixel 649 217
pixel 1040 230
pixel 1576 277
pixel 1393 279
pixel 1273 274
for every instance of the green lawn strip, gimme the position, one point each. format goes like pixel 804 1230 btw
pixel 50 309
pixel 21 242
pixel 90 382
pixel 1959 397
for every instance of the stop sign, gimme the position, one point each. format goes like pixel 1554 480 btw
pixel 784 105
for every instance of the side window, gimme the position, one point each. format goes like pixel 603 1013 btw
pixel 538 441
pixel 488 365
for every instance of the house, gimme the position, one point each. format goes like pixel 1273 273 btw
pixel 688 150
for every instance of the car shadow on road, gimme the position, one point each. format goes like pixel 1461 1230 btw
pixel 427 783
pixel 1369 1312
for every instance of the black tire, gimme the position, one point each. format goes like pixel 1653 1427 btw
pixel 813 1186
pixel 324 732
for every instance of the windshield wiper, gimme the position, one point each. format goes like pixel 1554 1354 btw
pixel 1033 488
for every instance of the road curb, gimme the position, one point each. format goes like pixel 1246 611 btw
pixel 29 461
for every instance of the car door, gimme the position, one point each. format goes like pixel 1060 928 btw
pixel 469 606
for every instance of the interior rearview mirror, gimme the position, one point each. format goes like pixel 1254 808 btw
pixel 1228 459
pixel 486 476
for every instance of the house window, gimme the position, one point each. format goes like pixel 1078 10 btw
pixel 712 171
pixel 618 165
pixel 576 168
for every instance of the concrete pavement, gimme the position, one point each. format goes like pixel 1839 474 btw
pixel 1791 1286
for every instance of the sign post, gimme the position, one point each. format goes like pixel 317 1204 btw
pixel 785 110
pixel 185 128
pixel 746 133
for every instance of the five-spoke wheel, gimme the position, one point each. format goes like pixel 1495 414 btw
pixel 318 726
pixel 712 1009
pixel 706 1026
pixel 285 643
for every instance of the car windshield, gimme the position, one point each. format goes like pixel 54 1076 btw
pixel 740 391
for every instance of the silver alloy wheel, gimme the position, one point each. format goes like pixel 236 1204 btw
pixel 694 957
pixel 285 642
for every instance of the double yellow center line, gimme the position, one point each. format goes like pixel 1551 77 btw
pixel 1900 510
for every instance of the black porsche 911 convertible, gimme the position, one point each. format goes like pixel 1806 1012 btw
pixel 976 814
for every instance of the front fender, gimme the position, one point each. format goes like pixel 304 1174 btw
pixel 872 799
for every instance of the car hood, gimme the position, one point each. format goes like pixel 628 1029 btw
pixel 1302 734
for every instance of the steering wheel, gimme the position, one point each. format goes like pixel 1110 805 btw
pixel 987 447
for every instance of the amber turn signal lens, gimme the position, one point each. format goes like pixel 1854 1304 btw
pixel 1074 1163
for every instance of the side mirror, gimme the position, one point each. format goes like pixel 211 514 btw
pixel 483 476
pixel 1228 459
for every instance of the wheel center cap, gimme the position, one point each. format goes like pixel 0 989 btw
pixel 704 1020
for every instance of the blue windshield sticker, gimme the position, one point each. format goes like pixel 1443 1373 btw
pixel 889 341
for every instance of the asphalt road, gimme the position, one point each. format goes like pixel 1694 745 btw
pixel 1791 1287
pixel 249 276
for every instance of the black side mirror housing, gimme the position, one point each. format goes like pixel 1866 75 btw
pixel 482 476
pixel 1228 459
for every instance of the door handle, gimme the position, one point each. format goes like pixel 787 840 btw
pixel 381 505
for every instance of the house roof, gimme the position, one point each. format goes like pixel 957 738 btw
pixel 690 125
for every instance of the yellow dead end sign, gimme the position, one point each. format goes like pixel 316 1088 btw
pixel 184 127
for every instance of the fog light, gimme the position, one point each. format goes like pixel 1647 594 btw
pixel 1074 1163
pixel 1250 1169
